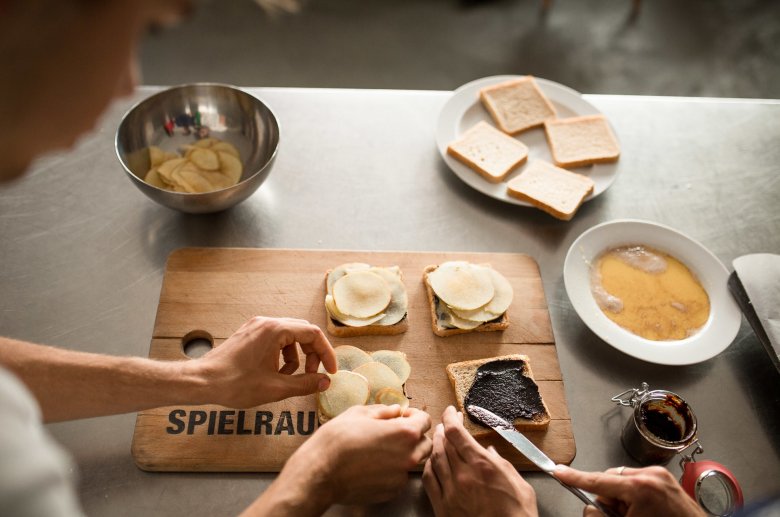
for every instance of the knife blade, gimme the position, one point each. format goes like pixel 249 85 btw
pixel 533 453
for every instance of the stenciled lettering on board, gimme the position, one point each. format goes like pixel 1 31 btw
pixel 250 422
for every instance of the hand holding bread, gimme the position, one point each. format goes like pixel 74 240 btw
pixel 463 478
pixel 363 455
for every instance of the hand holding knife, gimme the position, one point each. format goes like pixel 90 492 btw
pixel 530 451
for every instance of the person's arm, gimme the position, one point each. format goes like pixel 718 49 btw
pixel 362 456
pixel 650 491
pixel 242 372
pixel 463 478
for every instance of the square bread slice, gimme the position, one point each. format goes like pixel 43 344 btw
pixel 556 191
pixel 488 151
pixel 501 323
pixel 338 329
pixel 579 141
pixel 462 376
pixel 517 105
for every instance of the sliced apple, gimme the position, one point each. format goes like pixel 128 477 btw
pixel 449 319
pixel 226 147
pixel 461 285
pixel 153 179
pixel 396 361
pixel 346 389
pixel 379 376
pixel 350 357
pixel 165 169
pixel 361 294
pixel 399 301
pixel 205 159
pixel 230 166
pixel 390 396
pixel 342 270
pixel 350 321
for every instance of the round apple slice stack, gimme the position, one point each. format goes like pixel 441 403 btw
pixel 469 295
pixel 359 296
pixel 361 378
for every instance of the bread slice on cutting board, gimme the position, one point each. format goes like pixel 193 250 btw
pixel 462 376
pixel 579 141
pixel 517 104
pixel 498 324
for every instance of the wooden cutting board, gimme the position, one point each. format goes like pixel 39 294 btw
pixel 212 291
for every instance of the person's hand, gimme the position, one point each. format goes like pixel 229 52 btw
pixel 244 370
pixel 650 491
pixel 362 456
pixel 463 478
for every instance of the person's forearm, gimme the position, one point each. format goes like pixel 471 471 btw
pixel 290 496
pixel 70 385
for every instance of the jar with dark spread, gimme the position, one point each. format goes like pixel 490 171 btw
pixel 662 425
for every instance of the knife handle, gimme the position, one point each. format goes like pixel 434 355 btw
pixel 588 499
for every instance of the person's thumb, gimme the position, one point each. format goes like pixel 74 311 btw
pixel 304 383
pixel 383 412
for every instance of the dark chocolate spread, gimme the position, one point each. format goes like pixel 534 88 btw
pixel 501 387
pixel 658 417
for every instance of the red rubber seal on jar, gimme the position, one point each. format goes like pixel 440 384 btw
pixel 698 473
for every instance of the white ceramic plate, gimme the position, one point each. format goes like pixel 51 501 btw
pixel 716 335
pixel 464 109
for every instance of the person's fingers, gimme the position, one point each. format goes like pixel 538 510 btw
pixel 422 450
pixel 591 511
pixel 383 412
pixel 439 461
pixel 466 445
pixel 457 462
pixel 304 384
pixel 419 419
pixel 312 341
pixel 599 483
pixel 622 471
pixel 432 487
pixel 312 363
pixel 291 361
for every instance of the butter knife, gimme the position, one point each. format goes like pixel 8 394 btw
pixel 532 452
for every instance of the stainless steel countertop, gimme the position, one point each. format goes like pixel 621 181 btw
pixel 84 251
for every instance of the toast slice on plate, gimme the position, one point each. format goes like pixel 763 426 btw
pixel 556 191
pixel 488 151
pixel 517 105
pixel 580 141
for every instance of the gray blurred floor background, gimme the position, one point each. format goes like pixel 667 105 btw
pixel 720 48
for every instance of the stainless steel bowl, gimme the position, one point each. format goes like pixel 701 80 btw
pixel 180 116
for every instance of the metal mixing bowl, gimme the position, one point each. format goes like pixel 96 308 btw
pixel 180 116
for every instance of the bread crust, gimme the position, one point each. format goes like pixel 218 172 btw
pixel 492 326
pixel 544 207
pixel 461 376
pixel 340 330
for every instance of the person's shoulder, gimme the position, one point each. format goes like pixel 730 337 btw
pixel 16 401
pixel 35 473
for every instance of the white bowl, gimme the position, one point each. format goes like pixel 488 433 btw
pixel 717 333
